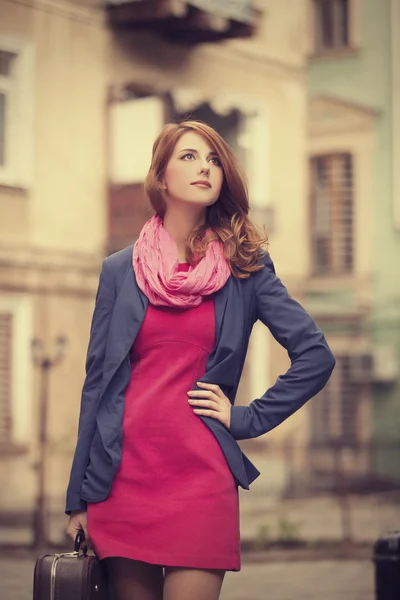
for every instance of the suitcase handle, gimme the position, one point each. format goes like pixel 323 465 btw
pixel 79 539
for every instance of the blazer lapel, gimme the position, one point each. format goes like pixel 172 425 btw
pixel 220 301
pixel 128 315
pixel 219 357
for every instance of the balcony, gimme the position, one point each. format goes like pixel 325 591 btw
pixel 187 21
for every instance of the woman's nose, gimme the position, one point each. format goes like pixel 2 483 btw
pixel 205 169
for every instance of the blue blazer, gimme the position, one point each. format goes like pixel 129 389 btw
pixel 119 312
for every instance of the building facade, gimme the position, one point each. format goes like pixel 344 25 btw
pixel 354 229
pixel 53 230
pixel 83 93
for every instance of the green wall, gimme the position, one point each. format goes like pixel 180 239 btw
pixel 366 80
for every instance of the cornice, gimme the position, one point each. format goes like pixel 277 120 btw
pixel 63 8
pixel 254 60
pixel 30 257
pixel 38 274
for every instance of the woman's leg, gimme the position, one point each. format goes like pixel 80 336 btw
pixel 134 580
pixel 182 583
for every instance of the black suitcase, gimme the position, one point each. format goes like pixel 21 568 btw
pixel 70 576
pixel 387 566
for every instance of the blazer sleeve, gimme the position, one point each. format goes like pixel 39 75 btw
pixel 105 299
pixel 312 362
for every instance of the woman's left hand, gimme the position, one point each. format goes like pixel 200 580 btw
pixel 211 398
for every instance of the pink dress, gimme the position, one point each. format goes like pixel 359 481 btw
pixel 174 501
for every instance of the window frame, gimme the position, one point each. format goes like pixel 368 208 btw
pixel 330 268
pixel 334 429
pixel 318 50
pixel 21 402
pixel 8 89
pixel 6 410
pixel 17 172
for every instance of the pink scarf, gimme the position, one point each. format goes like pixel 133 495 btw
pixel 155 262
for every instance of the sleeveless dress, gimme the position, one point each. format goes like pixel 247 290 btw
pixel 174 500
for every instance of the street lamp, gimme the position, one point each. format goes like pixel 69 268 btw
pixel 45 363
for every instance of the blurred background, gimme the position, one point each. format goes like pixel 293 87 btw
pixel 307 92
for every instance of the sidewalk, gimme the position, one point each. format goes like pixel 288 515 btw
pixel 306 575
pixel 318 518
pixel 330 580
pixel 267 516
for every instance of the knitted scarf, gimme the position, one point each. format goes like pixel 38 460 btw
pixel 155 263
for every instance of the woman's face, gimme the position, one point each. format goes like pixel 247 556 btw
pixel 194 173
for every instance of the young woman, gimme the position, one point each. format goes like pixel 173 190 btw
pixel 155 476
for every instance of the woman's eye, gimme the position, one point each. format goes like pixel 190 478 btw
pixel 190 156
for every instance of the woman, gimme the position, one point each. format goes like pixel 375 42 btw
pixel 155 476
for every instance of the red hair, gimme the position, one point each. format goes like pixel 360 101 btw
pixel 227 217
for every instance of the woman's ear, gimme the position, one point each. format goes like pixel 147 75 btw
pixel 162 185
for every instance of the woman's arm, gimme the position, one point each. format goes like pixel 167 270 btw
pixel 312 362
pixel 105 299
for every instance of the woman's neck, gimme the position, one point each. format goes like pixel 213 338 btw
pixel 180 225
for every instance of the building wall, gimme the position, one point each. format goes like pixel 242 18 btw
pixel 365 78
pixel 387 235
pixel 251 75
pixel 52 227
pixel 68 96
pixel 266 75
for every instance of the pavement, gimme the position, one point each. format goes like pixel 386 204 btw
pixel 264 580
pixel 363 519
pixel 313 573
pixel 263 516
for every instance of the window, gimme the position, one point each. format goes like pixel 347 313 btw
pixel 16 371
pixel 16 113
pixel 335 411
pixel 331 25
pixel 140 112
pixel 2 126
pixel 7 85
pixel 332 213
pixel 5 377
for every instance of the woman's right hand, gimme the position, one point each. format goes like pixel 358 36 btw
pixel 77 521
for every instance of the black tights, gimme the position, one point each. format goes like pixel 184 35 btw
pixel 136 580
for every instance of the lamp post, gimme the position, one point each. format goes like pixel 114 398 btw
pixel 45 363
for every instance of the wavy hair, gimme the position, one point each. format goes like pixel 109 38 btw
pixel 243 241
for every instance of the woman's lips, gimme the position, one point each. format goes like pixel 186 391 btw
pixel 202 185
